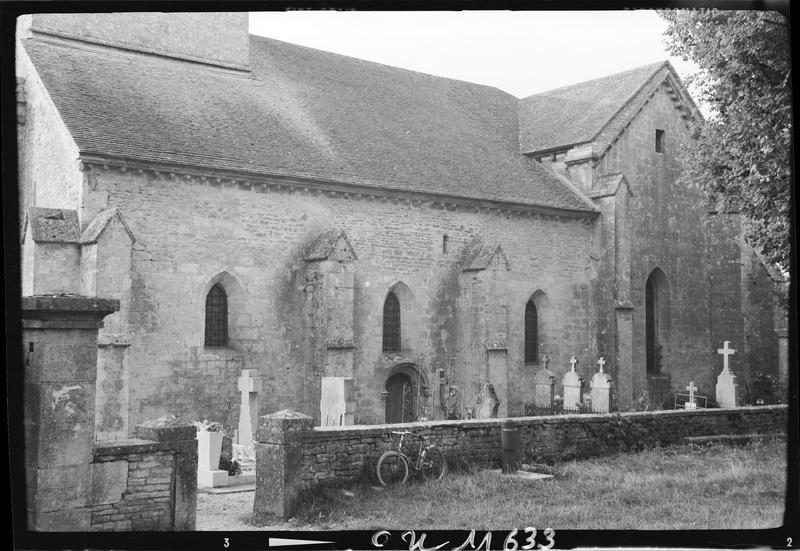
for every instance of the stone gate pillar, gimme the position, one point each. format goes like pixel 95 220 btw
pixel 278 453
pixel 60 341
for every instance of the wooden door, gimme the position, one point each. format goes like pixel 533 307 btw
pixel 399 401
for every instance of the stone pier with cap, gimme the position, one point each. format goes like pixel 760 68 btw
pixel 279 452
pixel 59 334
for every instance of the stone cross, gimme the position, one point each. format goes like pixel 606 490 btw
pixel 601 362
pixel 691 388
pixel 573 362
pixel 691 403
pixel 545 360
pixel 249 386
pixel 725 351
pixel 727 387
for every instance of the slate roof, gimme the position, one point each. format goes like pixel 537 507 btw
pixel 323 245
pixel 302 112
pixel 484 255
pixel 92 232
pixel 52 225
pixel 607 184
pixel 577 113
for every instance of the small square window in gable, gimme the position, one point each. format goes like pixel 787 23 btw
pixel 659 141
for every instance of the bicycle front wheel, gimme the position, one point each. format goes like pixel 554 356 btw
pixel 433 465
pixel 392 468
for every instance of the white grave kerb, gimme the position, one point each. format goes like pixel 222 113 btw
pixel 250 387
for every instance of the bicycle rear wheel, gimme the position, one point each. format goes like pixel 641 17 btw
pixel 433 465
pixel 392 468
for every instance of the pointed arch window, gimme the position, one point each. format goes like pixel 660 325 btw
pixel 216 317
pixel 531 333
pixel 391 323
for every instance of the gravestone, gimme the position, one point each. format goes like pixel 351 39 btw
pixel 573 388
pixel 601 390
pixel 249 386
pixel 544 385
pixel 488 403
pixel 690 403
pixel 337 407
pixel 727 387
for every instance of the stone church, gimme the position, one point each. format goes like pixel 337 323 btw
pixel 260 205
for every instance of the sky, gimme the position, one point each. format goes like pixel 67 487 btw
pixel 521 52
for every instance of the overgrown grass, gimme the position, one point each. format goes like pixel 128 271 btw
pixel 682 487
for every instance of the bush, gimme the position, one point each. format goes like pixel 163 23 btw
pixel 763 389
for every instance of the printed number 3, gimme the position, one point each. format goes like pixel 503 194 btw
pixel 226 543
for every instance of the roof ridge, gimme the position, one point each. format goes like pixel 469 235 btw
pixel 378 63
pixel 632 97
pixel 604 77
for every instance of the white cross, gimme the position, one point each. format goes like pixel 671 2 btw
pixel 725 351
pixel 573 361
pixel 601 362
pixel 545 360
pixel 691 388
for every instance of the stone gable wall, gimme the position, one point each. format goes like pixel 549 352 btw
pixel 188 231
pixel 48 156
pixel 671 229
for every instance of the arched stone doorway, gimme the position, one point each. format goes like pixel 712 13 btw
pixel 405 392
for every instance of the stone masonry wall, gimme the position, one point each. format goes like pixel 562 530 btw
pixel 49 174
pixel 331 455
pixel 251 237
pixel 148 483
pixel 133 488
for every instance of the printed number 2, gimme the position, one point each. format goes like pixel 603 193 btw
pixel 788 542
pixel 226 542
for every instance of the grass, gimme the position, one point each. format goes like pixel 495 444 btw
pixel 681 487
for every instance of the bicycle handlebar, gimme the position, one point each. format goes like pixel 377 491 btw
pixel 405 432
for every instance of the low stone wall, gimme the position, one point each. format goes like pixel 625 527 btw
pixel 148 483
pixel 293 456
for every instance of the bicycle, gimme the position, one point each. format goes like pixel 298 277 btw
pixel 393 465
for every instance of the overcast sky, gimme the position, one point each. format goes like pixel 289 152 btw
pixel 522 52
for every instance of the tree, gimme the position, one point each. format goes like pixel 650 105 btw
pixel 742 157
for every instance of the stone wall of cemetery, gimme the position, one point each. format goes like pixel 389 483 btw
pixel 332 455
pixel 193 231
pixel 145 485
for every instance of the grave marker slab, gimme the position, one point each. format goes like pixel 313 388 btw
pixel 337 407
pixel 601 390
pixel 544 384
pixel 573 387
